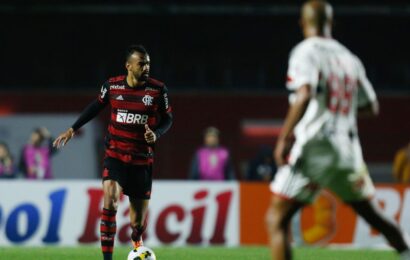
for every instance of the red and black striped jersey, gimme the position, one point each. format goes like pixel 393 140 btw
pixel 132 108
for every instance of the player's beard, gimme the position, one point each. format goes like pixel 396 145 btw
pixel 144 77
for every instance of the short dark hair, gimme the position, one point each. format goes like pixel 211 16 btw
pixel 135 48
pixel 39 132
pixel 211 131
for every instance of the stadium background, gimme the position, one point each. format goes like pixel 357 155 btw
pixel 223 62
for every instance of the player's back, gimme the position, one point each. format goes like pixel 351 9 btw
pixel 336 77
pixel 338 87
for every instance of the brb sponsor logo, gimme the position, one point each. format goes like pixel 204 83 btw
pixel 123 116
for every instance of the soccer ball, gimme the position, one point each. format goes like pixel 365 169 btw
pixel 141 253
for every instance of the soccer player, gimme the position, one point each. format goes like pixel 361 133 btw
pixel 319 144
pixel 140 114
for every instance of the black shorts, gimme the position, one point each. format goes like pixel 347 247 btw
pixel 135 180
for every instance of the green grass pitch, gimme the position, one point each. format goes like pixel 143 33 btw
pixel 190 253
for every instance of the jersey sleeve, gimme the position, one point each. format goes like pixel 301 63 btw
pixel 366 93
pixel 166 114
pixel 93 108
pixel 103 96
pixel 302 69
pixel 165 105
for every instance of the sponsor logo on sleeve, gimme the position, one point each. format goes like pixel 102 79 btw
pixel 166 101
pixel 103 92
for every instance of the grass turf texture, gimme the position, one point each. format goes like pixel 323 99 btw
pixel 190 253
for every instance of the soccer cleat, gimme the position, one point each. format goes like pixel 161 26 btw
pixel 138 243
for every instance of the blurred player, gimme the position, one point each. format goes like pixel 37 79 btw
pixel 140 114
pixel 330 89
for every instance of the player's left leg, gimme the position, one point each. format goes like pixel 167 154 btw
pixel 356 188
pixel 139 195
pixel 138 219
pixel 391 231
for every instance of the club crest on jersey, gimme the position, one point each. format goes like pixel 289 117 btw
pixel 147 100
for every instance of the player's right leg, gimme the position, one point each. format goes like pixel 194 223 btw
pixel 108 224
pixel 278 217
pixel 291 191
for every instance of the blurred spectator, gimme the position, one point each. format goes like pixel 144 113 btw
pixel 211 161
pixel 35 161
pixel 7 169
pixel 401 165
pixel 262 167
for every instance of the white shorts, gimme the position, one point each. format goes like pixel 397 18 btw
pixel 325 163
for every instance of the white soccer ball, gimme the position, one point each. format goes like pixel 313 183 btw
pixel 142 253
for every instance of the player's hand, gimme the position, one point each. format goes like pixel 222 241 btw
pixel 63 138
pixel 281 151
pixel 149 135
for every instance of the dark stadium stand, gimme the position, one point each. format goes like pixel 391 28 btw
pixel 203 45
